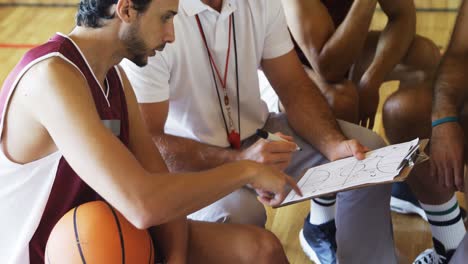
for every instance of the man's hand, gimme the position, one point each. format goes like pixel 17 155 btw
pixel 347 148
pixel 276 154
pixel 447 155
pixel 271 184
pixel 368 101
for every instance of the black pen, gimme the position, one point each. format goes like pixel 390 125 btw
pixel 272 137
pixel 410 156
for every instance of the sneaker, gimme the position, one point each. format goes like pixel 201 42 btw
pixel 436 255
pixel 430 256
pixel 403 201
pixel 318 241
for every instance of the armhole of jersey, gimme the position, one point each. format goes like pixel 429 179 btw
pixel 20 75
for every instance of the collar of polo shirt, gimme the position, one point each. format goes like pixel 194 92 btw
pixel 194 7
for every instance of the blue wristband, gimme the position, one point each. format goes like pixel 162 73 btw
pixel 444 120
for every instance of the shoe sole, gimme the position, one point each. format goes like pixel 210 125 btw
pixel 307 249
pixel 405 207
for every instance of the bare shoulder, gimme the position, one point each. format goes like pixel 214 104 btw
pixel 51 74
pixel 56 94
pixel 53 81
pixel 26 137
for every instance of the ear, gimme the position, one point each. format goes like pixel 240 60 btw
pixel 124 10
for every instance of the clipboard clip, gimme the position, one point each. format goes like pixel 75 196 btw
pixel 411 158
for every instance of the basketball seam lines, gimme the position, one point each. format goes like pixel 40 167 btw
pixel 77 236
pixel 122 246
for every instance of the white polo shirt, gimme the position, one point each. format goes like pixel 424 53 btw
pixel 182 73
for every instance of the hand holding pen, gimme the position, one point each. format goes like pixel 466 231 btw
pixel 275 138
pixel 276 153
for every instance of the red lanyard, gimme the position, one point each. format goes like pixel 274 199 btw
pixel 232 135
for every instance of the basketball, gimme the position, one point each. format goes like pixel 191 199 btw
pixel 95 232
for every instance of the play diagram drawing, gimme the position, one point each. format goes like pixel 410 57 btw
pixel 379 166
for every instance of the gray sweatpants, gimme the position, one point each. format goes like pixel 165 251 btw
pixel 461 255
pixel 363 222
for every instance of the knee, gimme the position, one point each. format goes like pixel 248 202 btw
pixel 264 247
pixel 424 53
pixel 242 207
pixel 375 198
pixel 402 115
pixel 395 107
pixel 253 213
pixel 402 106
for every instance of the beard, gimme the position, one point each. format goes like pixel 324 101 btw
pixel 136 47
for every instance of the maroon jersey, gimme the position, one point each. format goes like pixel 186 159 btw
pixel 68 190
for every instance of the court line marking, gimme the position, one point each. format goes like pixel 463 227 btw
pixel 45 5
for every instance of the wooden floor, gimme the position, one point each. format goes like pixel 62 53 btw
pixel 34 24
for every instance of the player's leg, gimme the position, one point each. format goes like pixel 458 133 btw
pixel 461 254
pixel 317 238
pixel 233 243
pixel 413 73
pixel 363 215
pixel 404 119
pixel 238 207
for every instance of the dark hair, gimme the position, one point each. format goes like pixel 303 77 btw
pixel 91 12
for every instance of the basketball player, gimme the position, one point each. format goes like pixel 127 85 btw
pixel 349 65
pixel 449 132
pixel 71 132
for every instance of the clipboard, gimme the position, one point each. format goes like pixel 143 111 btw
pixel 413 158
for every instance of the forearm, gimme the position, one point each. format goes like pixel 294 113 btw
pixel 308 114
pixel 172 196
pixel 450 86
pixel 344 46
pixel 311 117
pixel 172 240
pixel 182 154
pixel 394 42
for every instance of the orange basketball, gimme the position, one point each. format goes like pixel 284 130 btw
pixel 95 232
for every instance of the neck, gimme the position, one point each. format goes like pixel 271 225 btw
pixel 215 4
pixel 99 48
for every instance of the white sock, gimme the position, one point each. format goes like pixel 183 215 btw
pixel 322 210
pixel 446 222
